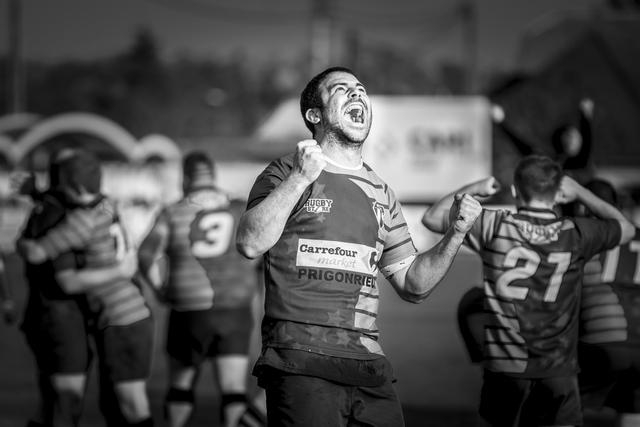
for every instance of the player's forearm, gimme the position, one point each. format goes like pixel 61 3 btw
pixel 78 281
pixel 435 218
pixel 262 225
pixel 154 276
pixel 74 233
pixel 430 267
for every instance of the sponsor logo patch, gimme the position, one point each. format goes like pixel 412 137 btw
pixel 338 255
pixel 318 205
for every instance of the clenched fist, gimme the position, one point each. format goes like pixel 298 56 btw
pixel 309 160
pixel 464 211
pixel 487 187
pixel 569 190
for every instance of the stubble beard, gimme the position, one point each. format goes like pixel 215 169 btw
pixel 342 137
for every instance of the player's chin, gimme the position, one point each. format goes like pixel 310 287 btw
pixel 356 134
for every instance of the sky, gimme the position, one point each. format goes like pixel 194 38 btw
pixel 54 30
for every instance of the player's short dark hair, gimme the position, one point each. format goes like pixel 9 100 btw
pixel 537 177
pixel 604 190
pixel 81 169
pixel 310 96
pixel 54 165
pixel 198 163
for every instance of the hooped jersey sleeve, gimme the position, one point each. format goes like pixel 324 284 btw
pixel 484 228
pixel 72 233
pixel 269 179
pixel 398 245
pixel 598 235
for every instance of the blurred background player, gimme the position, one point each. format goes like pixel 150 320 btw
pixel 532 263
pixel 121 320
pixel 53 321
pixel 7 305
pixel 571 145
pixel 609 350
pixel 210 288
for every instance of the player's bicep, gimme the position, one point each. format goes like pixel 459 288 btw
pixel 598 235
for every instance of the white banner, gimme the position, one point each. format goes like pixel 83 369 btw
pixel 422 146
pixel 425 147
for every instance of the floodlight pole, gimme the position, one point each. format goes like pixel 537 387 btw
pixel 320 43
pixel 16 81
pixel 470 41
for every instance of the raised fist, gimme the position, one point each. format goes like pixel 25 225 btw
pixel 309 160
pixel 569 190
pixel 487 187
pixel 464 211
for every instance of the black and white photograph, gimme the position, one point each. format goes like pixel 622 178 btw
pixel 320 213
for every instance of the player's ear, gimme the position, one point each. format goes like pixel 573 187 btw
pixel 514 192
pixel 313 115
pixel 558 198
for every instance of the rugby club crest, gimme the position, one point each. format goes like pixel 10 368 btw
pixel 378 211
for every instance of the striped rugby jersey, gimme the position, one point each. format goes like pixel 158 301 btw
pixel 533 263
pixel 96 233
pixel 610 310
pixel 321 276
pixel 48 210
pixel 197 234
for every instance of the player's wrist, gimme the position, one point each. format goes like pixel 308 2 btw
pixel 457 232
pixel 298 181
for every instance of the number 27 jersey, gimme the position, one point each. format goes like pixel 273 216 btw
pixel 533 265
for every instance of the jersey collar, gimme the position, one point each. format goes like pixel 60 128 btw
pixel 537 212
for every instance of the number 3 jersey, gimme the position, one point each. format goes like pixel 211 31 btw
pixel 533 265
pixel 321 275
pixel 197 235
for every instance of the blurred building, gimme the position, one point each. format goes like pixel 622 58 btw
pixel 563 60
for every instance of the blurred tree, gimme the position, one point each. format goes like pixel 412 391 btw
pixel 199 97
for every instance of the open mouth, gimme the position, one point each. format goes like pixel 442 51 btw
pixel 355 112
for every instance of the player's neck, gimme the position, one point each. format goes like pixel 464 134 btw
pixel 538 204
pixel 346 156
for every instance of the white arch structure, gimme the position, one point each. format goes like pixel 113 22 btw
pixel 17 121
pixel 91 124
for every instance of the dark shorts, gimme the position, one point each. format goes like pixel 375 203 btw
pixel 193 336
pixel 299 400
pixel 610 376
pixel 58 337
pixel 507 401
pixel 125 351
